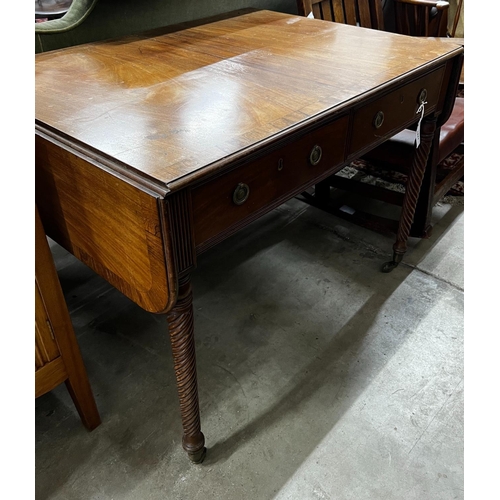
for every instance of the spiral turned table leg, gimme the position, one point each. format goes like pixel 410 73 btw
pixel 413 185
pixel 181 330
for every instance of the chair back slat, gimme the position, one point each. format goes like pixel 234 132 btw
pixel 326 10
pixel 365 19
pixel 377 14
pixel 316 10
pixel 338 11
pixel 365 13
pixel 350 13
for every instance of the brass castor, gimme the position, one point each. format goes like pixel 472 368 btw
pixel 397 257
pixel 198 457
pixel 389 266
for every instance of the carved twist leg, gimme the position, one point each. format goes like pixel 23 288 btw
pixel 180 326
pixel 415 177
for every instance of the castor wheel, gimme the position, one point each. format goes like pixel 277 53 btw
pixel 198 457
pixel 389 266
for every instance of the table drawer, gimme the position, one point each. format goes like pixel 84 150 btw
pixel 262 184
pixel 385 116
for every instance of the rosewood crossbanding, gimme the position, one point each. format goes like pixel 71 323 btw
pixel 153 148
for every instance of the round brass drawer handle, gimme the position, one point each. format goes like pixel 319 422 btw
pixel 378 120
pixel 315 155
pixel 241 193
pixel 422 96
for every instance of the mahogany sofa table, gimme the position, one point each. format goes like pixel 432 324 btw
pixel 152 148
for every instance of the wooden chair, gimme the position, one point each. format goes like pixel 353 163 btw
pixel 421 17
pixel 57 355
pixel 456 19
pixel 395 154
pixel 364 13
pixel 413 17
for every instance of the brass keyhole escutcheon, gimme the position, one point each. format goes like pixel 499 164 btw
pixel 378 120
pixel 315 155
pixel 422 96
pixel 241 193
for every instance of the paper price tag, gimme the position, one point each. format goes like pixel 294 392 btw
pixel 421 109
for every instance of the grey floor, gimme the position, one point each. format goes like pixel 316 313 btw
pixel 319 376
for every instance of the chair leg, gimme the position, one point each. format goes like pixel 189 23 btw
pixel 81 394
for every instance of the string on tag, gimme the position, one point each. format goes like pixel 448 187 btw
pixel 421 109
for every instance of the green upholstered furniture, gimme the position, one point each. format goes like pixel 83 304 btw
pixel 92 20
pixel 77 13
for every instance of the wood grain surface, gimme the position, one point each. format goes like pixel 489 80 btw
pixel 114 227
pixel 57 354
pixel 170 105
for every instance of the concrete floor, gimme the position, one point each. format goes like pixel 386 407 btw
pixel 319 376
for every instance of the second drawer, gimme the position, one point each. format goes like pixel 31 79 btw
pixel 385 116
pixel 226 200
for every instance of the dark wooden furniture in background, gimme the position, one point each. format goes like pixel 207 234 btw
pixel 57 355
pixel 422 17
pixel 364 13
pixel 395 154
pixel 175 141
pixel 413 17
pixel 456 18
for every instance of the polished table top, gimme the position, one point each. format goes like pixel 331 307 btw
pixel 212 92
pixel 453 41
